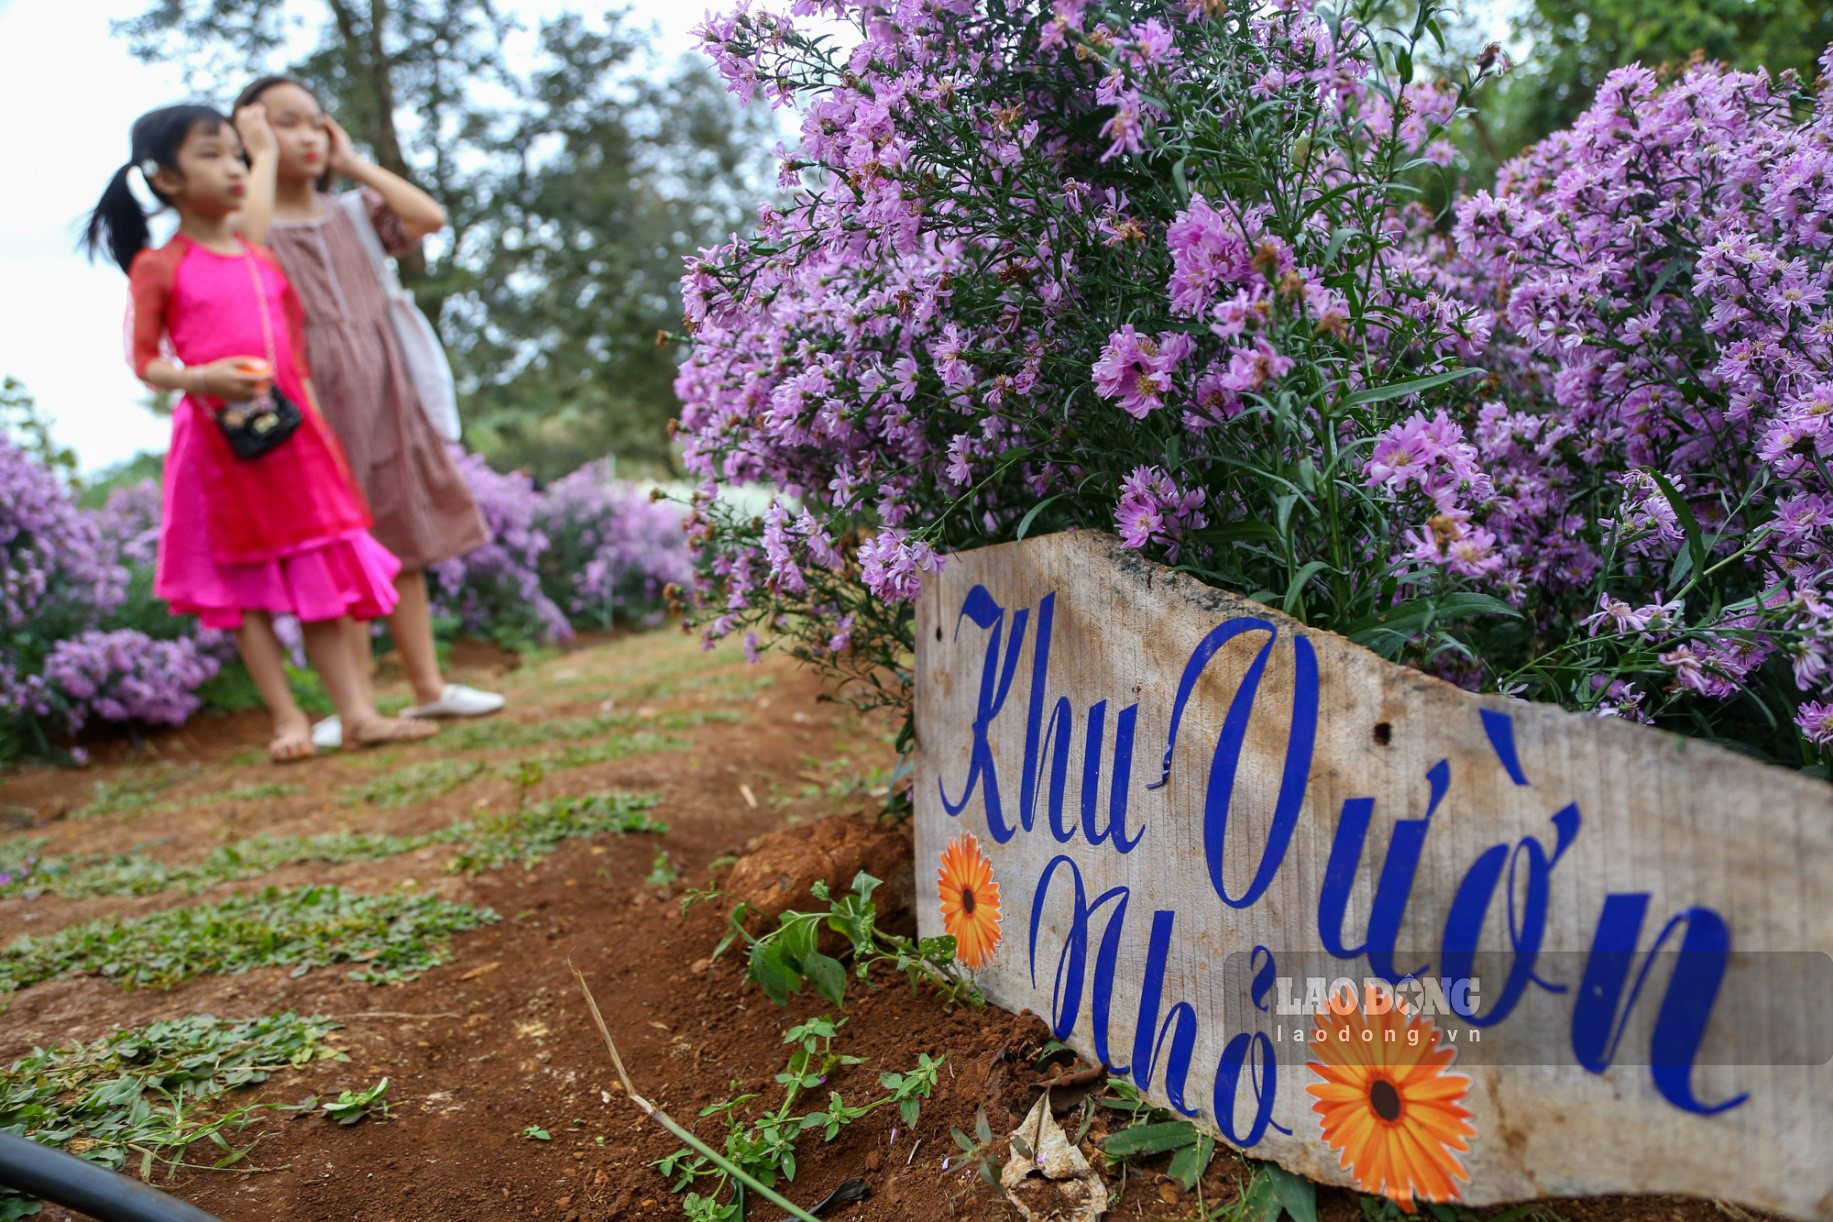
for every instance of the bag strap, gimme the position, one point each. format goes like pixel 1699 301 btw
pixel 267 326
pixel 353 203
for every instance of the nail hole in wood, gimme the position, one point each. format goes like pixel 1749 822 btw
pixel 1384 733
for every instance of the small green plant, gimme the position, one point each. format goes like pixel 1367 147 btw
pixel 352 1106
pixel 783 958
pixel 267 791
pixel 661 872
pixel 392 937
pixel 132 791
pixel 765 1149
pixel 529 834
pixel 579 755
pixel 977 1151
pixel 535 1132
pixel 150 1090
pixel 525 836
pixel 416 783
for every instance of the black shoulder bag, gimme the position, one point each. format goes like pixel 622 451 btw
pixel 260 425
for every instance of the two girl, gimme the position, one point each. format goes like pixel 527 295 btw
pixel 290 529
pixel 423 510
pixel 250 529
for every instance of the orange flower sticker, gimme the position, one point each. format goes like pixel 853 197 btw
pixel 970 900
pixel 1389 1106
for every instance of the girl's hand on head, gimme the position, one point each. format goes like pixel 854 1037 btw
pixel 251 124
pixel 342 157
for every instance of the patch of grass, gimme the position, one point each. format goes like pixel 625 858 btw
pixel 20 860
pixel 135 873
pixel 525 836
pixel 269 791
pixel 133 791
pixel 139 1091
pixel 394 937
pixel 501 735
pixel 532 833
pixel 578 755
pixel 414 784
pixel 726 687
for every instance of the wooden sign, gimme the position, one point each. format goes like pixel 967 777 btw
pixel 1355 920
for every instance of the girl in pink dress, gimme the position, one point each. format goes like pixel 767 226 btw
pixel 243 538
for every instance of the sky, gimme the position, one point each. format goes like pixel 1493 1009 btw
pixel 69 92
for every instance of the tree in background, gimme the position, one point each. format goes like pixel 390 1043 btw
pixel 1576 44
pixel 576 174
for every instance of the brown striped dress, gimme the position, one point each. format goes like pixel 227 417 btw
pixel 423 511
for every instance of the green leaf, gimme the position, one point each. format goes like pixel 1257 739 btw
pixel 1415 615
pixel 1188 1165
pixel 1151 1139
pixel 828 977
pixel 797 938
pixel 1260 1202
pixel 1296 589
pixel 1696 542
pixel 1296 1194
pixel 772 973
pixel 1024 523
pixel 1412 386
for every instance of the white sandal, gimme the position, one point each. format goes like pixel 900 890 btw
pixel 458 701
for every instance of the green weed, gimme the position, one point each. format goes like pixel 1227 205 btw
pixel 351 1106
pixel 532 833
pixel 133 791
pixel 525 836
pixel 134 873
pixel 139 1091
pixel 662 872
pixel 416 783
pixel 266 792
pixel 393 937
pixel 765 1149
pixel 782 959
pixel 580 755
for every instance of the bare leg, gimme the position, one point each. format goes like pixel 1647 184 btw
pixel 411 626
pixel 328 642
pixel 266 663
pixel 360 640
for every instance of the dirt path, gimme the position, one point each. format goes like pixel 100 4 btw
pixel 496 1044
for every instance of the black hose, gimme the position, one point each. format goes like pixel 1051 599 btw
pixel 89 1188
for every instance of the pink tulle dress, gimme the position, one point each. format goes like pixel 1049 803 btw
pixel 286 532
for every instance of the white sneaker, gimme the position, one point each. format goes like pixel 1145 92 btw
pixel 328 734
pixel 458 701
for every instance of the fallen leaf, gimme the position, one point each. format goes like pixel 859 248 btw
pixel 1078 1196
pixel 750 798
pixel 485 970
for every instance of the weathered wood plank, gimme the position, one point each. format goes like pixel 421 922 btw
pixel 1592 829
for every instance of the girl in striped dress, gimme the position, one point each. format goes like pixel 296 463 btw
pixel 424 513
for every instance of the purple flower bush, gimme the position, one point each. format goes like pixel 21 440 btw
pixel 495 590
pixel 127 677
pixel 612 552
pixel 581 554
pixel 1648 477
pixel 1155 269
pixel 57 578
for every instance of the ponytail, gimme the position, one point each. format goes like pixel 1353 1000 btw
pixel 118 222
